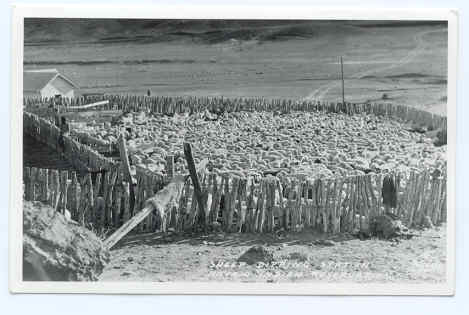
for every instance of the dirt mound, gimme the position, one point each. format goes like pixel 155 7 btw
pixel 57 249
pixel 387 227
pixel 255 255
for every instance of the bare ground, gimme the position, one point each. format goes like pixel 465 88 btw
pixel 297 257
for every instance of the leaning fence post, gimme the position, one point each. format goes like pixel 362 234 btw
pixel 195 182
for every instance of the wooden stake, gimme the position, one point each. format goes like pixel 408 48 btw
pixel 195 182
pixel 126 167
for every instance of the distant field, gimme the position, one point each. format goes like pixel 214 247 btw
pixel 402 65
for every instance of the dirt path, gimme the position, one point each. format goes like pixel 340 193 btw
pixel 421 46
pixel 298 257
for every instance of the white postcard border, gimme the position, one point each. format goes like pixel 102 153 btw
pixel 19 12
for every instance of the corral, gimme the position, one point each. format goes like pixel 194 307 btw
pixel 249 195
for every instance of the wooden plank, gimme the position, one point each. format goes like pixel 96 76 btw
pixel 56 179
pixel 46 191
pixel 206 195
pixel 73 196
pixel 183 211
pixel 428 201
pixel 258 205
pixel 359 203
pixel 241 205
pixel 314 205
pixel 124 155
pixel 298 207
pixel 413 202
pixel 307 206
pixel 324 192
pixel 406 207
pixel 126 202
pixel 443 206
pixel 340 200
pixel 293 205
pixel 148 192
pixel 82 203
pixel 270 204
pixel 32 185
pixel 410 194
pixel 90 210
pixel 116 206
pixel 289 220
pixel 214 206
pixel 380 197
pixel 334 209
pixel 40 184
pixel 139 197
pixel 226 201
pixel 437 202
pixel 261 207
pixel 193 210
pixel 64 193
pixel 256 189
pixel 281 204
pixel 109 197
pixel 102 214
pixel 423 195
pixel 232 204
pixel 97 185
pixel 350 213
pixel 195 182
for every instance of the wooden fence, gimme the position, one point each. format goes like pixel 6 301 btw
pixel 332 205
pixel 81 156
pixel 171 105
pixel 98 201
pixel 240 204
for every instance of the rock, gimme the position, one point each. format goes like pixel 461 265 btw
pixel 216 226
pixel 255 255
pixel 323 243
pixel 57 249
pixel 387 227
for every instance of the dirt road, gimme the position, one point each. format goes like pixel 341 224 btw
pixel 420 46
pixel 297 257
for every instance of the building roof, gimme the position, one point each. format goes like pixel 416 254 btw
pixel 35 80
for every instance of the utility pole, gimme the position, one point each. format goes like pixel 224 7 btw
pixel 342 77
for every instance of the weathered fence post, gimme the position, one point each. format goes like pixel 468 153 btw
pixel 195 182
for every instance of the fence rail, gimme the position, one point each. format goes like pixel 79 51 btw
pixel 81 156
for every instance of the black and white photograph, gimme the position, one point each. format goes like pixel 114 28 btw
pixel 275 152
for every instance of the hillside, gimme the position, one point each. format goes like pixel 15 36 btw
pixel 57 31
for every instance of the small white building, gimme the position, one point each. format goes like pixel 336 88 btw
pixel 48 83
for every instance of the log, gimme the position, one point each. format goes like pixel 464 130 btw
pixel 163 200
